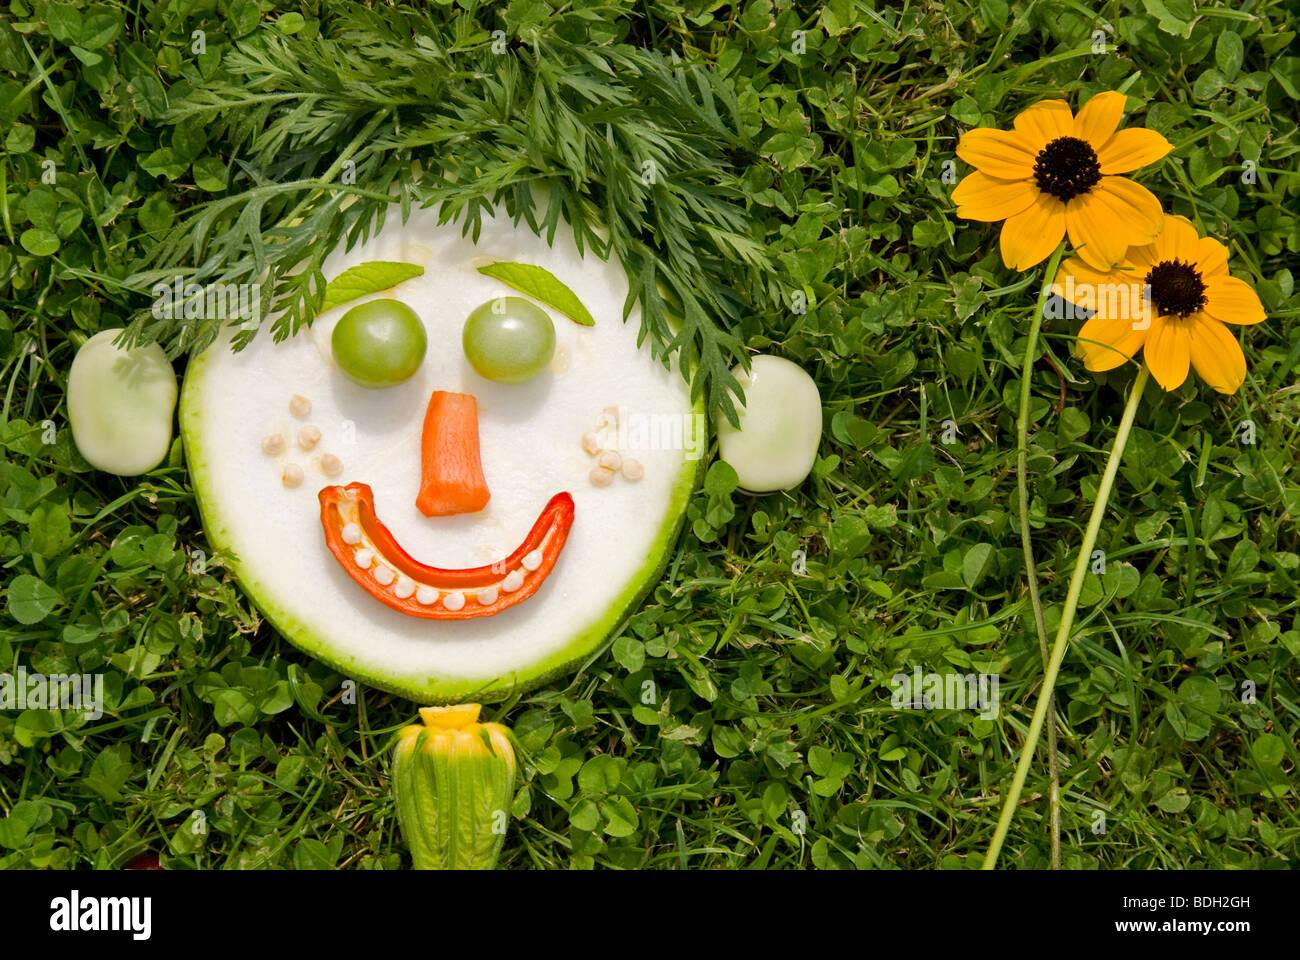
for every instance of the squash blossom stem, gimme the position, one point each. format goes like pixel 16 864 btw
pixel 1026 539
pixel 1067 618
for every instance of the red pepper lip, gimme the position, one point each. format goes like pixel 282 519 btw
pixel 354 504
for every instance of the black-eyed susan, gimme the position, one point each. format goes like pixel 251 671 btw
pixel 1171 299
pixel 1058 173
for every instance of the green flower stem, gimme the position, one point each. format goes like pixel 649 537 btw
pixel 1026 541
pixel 1067 618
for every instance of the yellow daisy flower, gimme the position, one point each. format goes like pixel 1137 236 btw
pixel 1056 173
pixel 1170 299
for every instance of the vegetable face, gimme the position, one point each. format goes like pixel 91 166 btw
pixel 120 405
pixel 379 343
pixel 509 340
pixel 371 556
pixel 529 444
pixel 780 426
pixel 453 781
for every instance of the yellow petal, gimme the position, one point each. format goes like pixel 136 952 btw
pixel 1211 257
pixel 1143 214
pixel 1030 236
pixel 1106 344
pixel 999 153
pixel 1178 240
pixel 452 717
pixel 1232 301
pixel 1129 149
pixel 1141 259
pixel 1168 352
pixel 1115 215
pixel 1098 231
pixel 1081 271
pixel 1217 355
pixel 1099 118
pixel 981 197
pixel 1044 122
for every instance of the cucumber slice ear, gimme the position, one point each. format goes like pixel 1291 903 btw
pixel 531 447
pixel 120 404
pixel 775 446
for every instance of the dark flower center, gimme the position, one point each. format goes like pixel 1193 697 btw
pixel 1176 288
pixel 1066 168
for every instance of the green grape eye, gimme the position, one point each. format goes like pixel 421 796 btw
pixel 379 343
pixel 509 340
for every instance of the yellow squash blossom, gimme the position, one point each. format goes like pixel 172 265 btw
pixel 1170 299
pixel 1057 173
pixel 453 783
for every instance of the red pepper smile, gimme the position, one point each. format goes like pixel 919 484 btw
pixel 367 550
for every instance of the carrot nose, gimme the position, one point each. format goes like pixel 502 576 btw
pixel 451 471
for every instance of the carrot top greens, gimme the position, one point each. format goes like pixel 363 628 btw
pixel 634 149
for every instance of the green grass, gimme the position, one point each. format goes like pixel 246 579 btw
pixel 769 739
